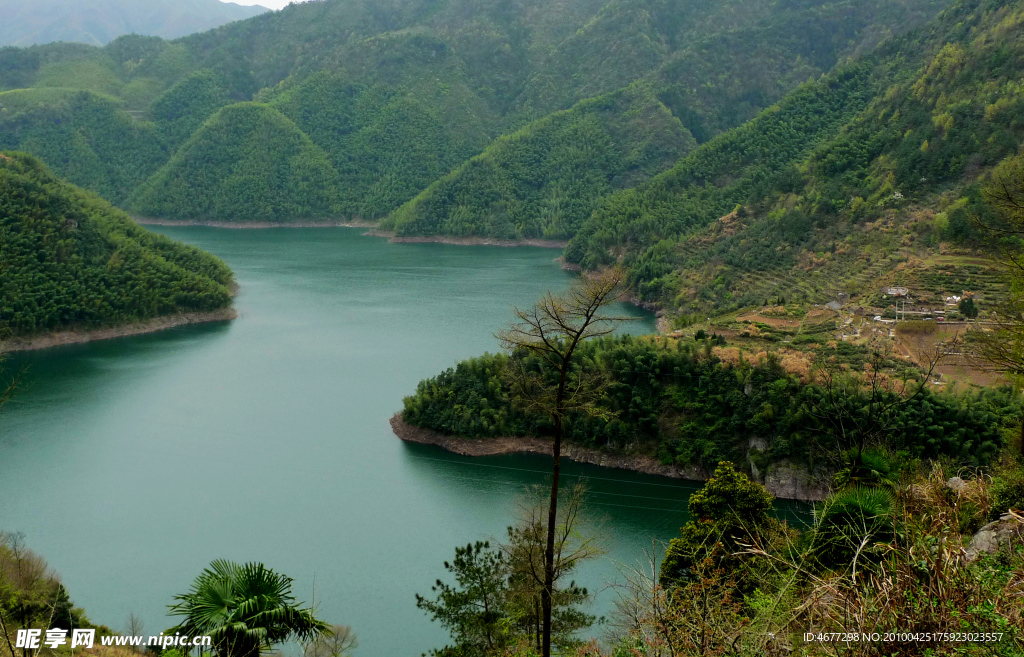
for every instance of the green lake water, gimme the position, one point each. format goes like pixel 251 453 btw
pixel 130 464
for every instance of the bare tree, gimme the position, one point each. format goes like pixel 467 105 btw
pixel 525 554
pixel 1003 345
pixel 28 577
pixel 856 409
pixel 134 626
pixel 553 330
pixel 339 643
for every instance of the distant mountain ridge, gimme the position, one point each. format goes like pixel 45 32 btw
pixel 97 22
pixel 398 94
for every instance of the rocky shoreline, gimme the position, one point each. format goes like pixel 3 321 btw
pixel 60 338
pixel 784 482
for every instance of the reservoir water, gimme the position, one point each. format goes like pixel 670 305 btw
pixel 130 464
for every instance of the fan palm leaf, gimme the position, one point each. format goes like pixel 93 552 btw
pixel 245 609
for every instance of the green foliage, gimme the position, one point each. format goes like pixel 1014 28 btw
pixel 71 260
pixel 248 161
pixel 244 609
pixel 730 495
pixel 710 181
pixel 387 142
pixel 968 308
pixel 31 596
pixel 96 75
pixel 848 524
pixel 88 138
pixel 494 603
pixel 676 400
pixel 544 180
pixel 399 94
pixel 885 562
pixel 473 610
pixel 869 467
pixel 183 108
pixel 1007 491
pixel 729 510
pixel 926 111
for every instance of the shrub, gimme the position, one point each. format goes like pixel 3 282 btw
pixel 849 523
pixel 1007 492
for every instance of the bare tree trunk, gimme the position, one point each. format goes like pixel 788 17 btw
pixel 549 552
pixel 7 637
pixel 536 611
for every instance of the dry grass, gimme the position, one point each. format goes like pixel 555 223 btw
pixel 792 361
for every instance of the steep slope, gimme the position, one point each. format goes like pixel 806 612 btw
pixel 716 60
pixel 545 179
pixel 97 22
pixel 91 139
pixel 179 111
pixel 450 77
pixel 70 260
pixel 885 195
pixel 247 162
pixel 385 141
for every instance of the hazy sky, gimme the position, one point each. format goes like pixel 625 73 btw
pixel 270 4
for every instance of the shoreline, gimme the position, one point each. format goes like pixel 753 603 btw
pixel 61 338
pixel 357 223
pixel 149 221
pixel 530 445
pixel 785 483
pixel 466 241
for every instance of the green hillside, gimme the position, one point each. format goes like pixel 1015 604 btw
pixel 386 142
pixel 179 111
pixel 400 93
pixel 882 195
pixel 544 180
pixel 247 162
pixel 90 138
pixel 715 64
pixel 70 260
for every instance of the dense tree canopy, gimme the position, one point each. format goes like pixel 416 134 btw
pixel 911 127
pixel 543 180
pixel 399 94
pixel 247 162
pixel 680 401
pixel 71 260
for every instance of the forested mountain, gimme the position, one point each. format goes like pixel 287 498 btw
pixel 833 190
pixel 543 180
pixel 28 22
pixel 398 94
pixel 265 154
pixel 70 260
pixel 88 136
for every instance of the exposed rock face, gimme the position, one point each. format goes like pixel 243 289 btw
pixel 755 444
pixel 789 481
pixel 784 481
pixel 77 336
pixel 1007 532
